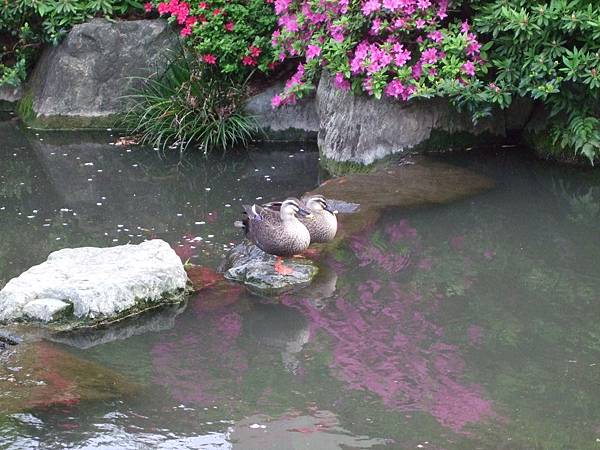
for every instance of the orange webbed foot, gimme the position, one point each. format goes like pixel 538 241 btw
pixel 282 269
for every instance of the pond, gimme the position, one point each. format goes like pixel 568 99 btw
pixel 468 325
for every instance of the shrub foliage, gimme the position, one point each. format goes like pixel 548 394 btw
pixel 231 35
pixel 189 105
pixel 548 51
pixel 26 25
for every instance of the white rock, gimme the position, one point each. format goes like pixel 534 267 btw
pixel 99 282
pixel 45 309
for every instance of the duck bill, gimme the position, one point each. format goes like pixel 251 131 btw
pixel 328 209
pixel 304 213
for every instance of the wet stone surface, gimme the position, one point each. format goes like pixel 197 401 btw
pixel 90 284
pixel 41 374
pixel 249 265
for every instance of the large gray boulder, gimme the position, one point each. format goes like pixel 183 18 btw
pixel 298 122
pixel 89 285
pixel 81 82
pixel 360 129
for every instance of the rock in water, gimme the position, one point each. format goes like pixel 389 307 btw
pixel 84 81
pixel 248 264
pixel 298 122
pixel 88 285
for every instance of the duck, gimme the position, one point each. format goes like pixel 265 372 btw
pixel 321 223
pixel 277 232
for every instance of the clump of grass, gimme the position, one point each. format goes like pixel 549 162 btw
pixel 190 105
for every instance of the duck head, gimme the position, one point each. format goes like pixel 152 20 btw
pixel 290 208
pixel 318 203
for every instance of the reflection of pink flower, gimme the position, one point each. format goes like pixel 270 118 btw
pixel 489 254
pixel 230 325
pixel 401 230
pixel 180 358
pixel 385 343
pixel 185 250
pixel 368 254
pixel 425 264
pixel 475 334
pixel 457 242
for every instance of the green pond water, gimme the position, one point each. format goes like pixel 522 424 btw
pixel 469 325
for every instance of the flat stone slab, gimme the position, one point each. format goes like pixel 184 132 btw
pixel 248 264
pixel 360 198
pixel 89 285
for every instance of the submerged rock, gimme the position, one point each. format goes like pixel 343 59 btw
pixel 362 197
pixel 149 322
pixel 89 285
pixel 41 374
pixel 248 264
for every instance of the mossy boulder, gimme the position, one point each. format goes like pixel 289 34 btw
pixel 84 81
pixel 89 286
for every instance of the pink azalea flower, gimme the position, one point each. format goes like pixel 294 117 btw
pixel 209 58
pixel 375 26
pixel 255 51
pixel 148 7
pixel 276 101
pixel 436 36
pixel 229 26
pixel 289 23
pixel 473 48
pixel 368 85
pixel 464 27
pixel 392 5
pixel 394 89
pixel 429 56
pixel 281 6
pixel 400 54
pixel 417 70
pixel 370 6
pixel 337 33
pixel 163 8
pixel 469 68
pixel 248 61
pixel 340 82
pixel 399 22
pixel 312 52
pixel 423 4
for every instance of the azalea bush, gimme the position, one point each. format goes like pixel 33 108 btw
pixel 26 25
pixel 394 48
pixel 231 35
pixel 548 51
